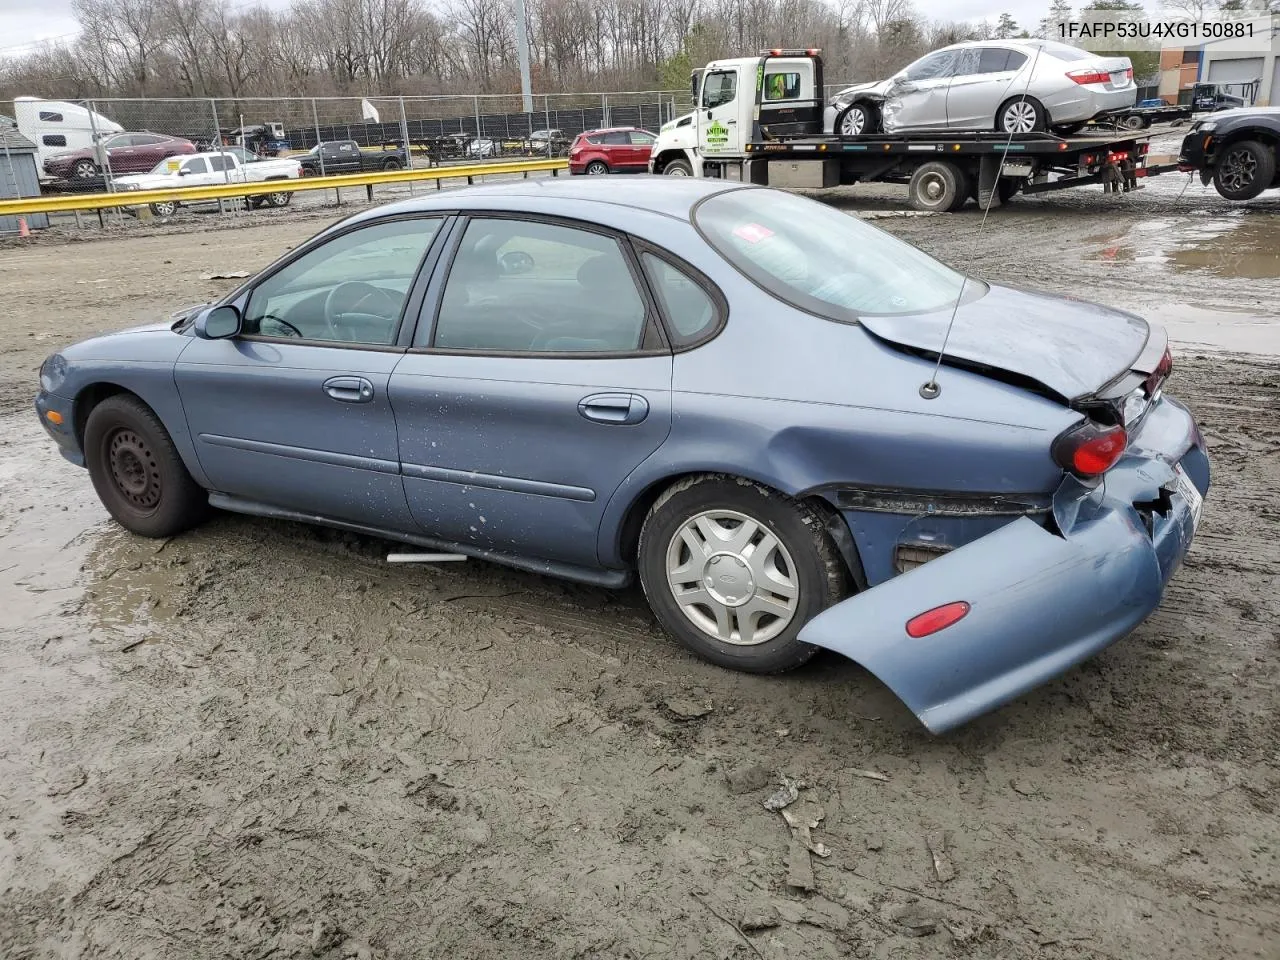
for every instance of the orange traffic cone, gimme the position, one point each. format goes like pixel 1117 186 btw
pixel 23 229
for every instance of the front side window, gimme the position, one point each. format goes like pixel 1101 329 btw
pixel 520 286
pixel 146 140
pixel 821 260
pixel 192 166
pixel 781 86
pixel 933 67
pixel 639 139
pixel 351 289
pixel 116 143
pixel 719 88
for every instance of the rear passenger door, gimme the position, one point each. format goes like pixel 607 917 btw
pixel 538 380
pixel 983 81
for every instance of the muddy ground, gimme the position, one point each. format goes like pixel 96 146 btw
pixel 259 740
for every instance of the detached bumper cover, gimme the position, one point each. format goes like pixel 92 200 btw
pixel 1040 601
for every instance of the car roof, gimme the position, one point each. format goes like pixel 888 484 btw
pixel 614 130
pixel 670 196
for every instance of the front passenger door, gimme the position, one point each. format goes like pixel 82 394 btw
pixel 295 411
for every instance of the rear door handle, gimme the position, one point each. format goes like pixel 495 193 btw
pixel 349 389
pixel 618 408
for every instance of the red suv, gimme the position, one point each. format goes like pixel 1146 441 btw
pixel 613 150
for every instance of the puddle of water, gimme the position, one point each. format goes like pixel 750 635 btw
pixel 1242 246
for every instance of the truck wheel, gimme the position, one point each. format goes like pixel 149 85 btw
pixel 391 164
pixel 1020 115
pixel 677 168
pixel 1133 122
pixel 164 208
pixel 856 120
pixel 279 199
pixel 938 186
pixel 1245 170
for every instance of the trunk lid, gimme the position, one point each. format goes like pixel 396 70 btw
pixel 1070 347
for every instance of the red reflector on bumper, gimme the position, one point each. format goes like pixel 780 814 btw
pixel 939 618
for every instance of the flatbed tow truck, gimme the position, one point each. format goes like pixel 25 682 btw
pixel 759 120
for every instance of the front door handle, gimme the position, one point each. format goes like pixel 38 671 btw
pixel 618 408
pixel 349 389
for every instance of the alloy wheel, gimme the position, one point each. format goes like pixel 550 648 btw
pixel 1020 117
pixel 1238 170
pixel 854 122
pixel 732 577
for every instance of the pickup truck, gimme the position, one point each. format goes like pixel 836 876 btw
pixel 1236 149
pixel 345 156
pixel 229 165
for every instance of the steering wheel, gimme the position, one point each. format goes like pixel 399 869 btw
pixel 293 331
pixel 347 296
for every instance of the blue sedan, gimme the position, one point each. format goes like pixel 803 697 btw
pixel 799 431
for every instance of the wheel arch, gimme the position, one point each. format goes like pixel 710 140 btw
pixel 1261 134
pixel 675 153
pixel 626 538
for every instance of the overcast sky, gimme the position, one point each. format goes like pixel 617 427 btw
pixel 26 22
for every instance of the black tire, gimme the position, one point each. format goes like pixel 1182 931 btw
pixel 136 470
pixel 1132 122
pixel 870 121
pixel 164 208
pixel 1244 169
pixel 938 186
pixel 1007 189
pixel 1068 129
pixel 677 168
pixel 84 170
pixel 816 570
pixel 596 168
pixel 1040 121
pixel 392 164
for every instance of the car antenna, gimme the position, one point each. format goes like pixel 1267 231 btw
pixel 931 389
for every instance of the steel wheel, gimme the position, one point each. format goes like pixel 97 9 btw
pixel 732 577
pixel 1239 169
pixel 932 187
pixel 134 470
pixel 1021 116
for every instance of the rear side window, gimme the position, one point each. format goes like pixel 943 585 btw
pixel 690 311
pixel 993 60
pixel 781 86
pixel 1062 51
pixel 821 260
pixel 221 163
pixel 47 116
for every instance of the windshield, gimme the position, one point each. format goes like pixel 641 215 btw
pixel 821 260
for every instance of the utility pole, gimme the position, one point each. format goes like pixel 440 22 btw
pixel 522 46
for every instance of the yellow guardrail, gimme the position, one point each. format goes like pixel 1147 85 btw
pixel 137 198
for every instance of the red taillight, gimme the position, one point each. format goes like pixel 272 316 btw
pixel 1089 449
pixel 1089 76
pixel 1159 374
pixel 939 618
pixel 1129 73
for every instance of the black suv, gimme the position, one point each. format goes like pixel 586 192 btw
pixel 1236 149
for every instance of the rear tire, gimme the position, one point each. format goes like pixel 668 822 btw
pixel 1021 115
pixel 938 187
pixel 85 170
pixel 280 199
pixel 1132 123
pixel 137 472
pixel 1244 170
pixel 762 591
pixel 677 168
pixel 164 208
pixel 597 168
pixel 391 164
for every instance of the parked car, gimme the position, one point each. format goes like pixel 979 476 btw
pixel 228 165
pixel 126 153
pixel 611 150
pixel 481 148
pixel 345 156
pixel 595 381
pixel 1236 149
pixel 1012 86
pixel 542 142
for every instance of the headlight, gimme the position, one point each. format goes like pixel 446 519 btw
pixel 1205 126
pixel 52 372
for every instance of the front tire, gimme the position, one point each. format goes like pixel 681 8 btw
pixel 677 168
pixel 137 472
pixel 1245 169
pixel 856 120
pixel 1021 115
pixel 734 570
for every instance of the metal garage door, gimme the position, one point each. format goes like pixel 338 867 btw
pixel 1241 70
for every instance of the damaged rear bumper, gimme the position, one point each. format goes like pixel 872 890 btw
pixel 1040 600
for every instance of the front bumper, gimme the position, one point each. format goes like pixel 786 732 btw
pixel 1041 600
pixel 57 416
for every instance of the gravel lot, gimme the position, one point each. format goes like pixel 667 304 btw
pixel 259 740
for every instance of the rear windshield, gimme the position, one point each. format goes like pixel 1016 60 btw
pixel 814 257
pixel 1061 51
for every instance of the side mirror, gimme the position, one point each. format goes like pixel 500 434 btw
pixel 515 262
pixel 217 323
